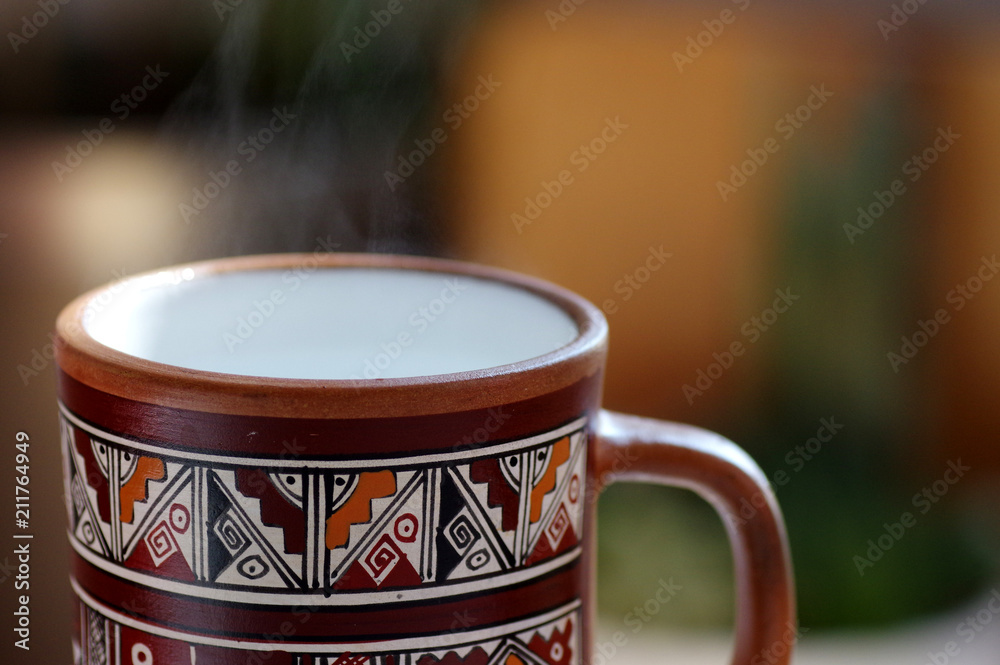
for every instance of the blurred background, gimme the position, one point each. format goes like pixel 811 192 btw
pixel 787 212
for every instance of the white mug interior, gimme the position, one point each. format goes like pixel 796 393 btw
pixel 327 323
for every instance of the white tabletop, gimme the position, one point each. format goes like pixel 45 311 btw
pixel 912 644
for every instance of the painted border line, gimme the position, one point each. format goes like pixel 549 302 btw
pixel 429 643
pixel 315 597
pixel 431 459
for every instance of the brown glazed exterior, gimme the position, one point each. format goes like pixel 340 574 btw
pixel 217 518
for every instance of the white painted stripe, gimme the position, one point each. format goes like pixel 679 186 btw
pixel 341 599
pixel 450 457
pixel 433 642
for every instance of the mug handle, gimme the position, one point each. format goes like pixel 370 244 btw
pixel 630 448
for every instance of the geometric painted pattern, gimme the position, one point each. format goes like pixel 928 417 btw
pixel 551 639
pixel 349 532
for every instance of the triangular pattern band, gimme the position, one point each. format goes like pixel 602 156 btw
pixel 397 529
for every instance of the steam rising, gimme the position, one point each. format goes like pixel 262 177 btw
pixel 300 111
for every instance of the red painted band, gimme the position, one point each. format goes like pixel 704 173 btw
pixel 331 625
pixel 185 429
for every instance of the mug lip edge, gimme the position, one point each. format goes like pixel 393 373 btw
pixel 91 362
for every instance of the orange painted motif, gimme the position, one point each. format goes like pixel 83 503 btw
pixel 146 468
pixel 547 483
pixel 358 509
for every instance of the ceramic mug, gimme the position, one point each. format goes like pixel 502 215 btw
pixel 363 460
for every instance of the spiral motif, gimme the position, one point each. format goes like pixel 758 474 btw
pixel 383 557
pixel 230 534
pixel 160 542
pixel 462 533
pixel 79 501
pixel 560 521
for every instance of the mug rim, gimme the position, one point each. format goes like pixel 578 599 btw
pixel 83 358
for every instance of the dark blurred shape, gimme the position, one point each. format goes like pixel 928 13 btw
pixel 345 88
